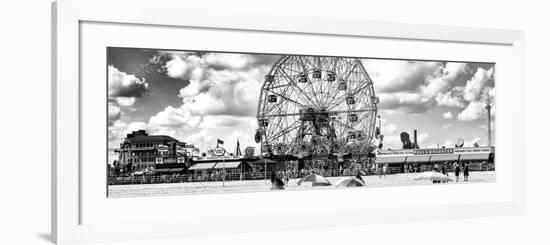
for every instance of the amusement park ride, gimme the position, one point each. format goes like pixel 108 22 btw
pixel 319 110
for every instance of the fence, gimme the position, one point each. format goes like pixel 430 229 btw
pixel 234 176
pixel 229 176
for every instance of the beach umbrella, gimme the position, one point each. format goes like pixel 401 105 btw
pixel 433 175
pixel 350 182
pixel 315 179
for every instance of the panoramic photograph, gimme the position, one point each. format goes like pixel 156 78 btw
pixel 186 122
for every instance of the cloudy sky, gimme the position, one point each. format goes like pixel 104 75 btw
pixel 197 97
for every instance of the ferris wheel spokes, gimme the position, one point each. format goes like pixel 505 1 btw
pixel 319 103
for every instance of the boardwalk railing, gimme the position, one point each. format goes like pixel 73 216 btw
pixel 180 178
pixel 236 176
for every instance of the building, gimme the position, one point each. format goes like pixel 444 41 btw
pixel 142 152
pixel 401 161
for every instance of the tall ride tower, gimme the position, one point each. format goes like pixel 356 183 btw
pixel 488 106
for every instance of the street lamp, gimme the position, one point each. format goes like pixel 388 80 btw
pixel 488 107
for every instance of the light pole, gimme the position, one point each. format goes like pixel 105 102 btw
pixel 220 152
pixel 488 107
pixel 380 124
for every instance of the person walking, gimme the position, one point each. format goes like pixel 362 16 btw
pixel 385 170
pixel 457 171
pixel 287 179
pixel 466 171
pixel 358 176
pixel 436 169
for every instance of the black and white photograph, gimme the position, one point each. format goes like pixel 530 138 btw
pixel 184 122
pixel 275 123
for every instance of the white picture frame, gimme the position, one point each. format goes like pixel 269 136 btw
pixel 67 174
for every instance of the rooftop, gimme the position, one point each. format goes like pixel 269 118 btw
pixel 141 136
pixel 150 138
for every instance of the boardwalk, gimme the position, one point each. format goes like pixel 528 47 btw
pixel 261 185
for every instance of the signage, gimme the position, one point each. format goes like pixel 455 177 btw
pixel 434 151
pixel 219 151
pixel 159 160
pixel 222 157
pixel 249 151
pixel 162 148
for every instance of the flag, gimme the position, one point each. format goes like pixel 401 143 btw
pixel 238 151
pixel 220 142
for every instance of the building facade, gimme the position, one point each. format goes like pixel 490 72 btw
pixel 142 152
pixel 400 161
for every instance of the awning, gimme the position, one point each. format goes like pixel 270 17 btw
pixel 444 157
pixel 203 166
pixel 262 161
pixel 167 170
pixel 222 165
pixel 399 159
pixel 423 158
pixel 473 157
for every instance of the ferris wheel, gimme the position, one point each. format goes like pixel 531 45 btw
pixel 316 106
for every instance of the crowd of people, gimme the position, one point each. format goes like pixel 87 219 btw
pixel 457 168
pixel 380 169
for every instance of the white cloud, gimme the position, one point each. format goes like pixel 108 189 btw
pixel 448 115
pixel 220 100
pixel 399 75
pixel 228 129
pixel 447 80
pixel 431 146
pixel 123 89
pixel 470 143
pixel 125 101
pixel 125 85
pixel 388 128
pixel 173 117
pixel 222 94
pixel 392 142
pixel 475 85
pixel 184 66
pixel 406 101
pixel 478 94
pixel 416 87
pixel 119 130
pixel 221 121
pixel 474 111
pixel 448 99
pixel 228 61
pixel 113 113
pixel 204 139
pixel 449 143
